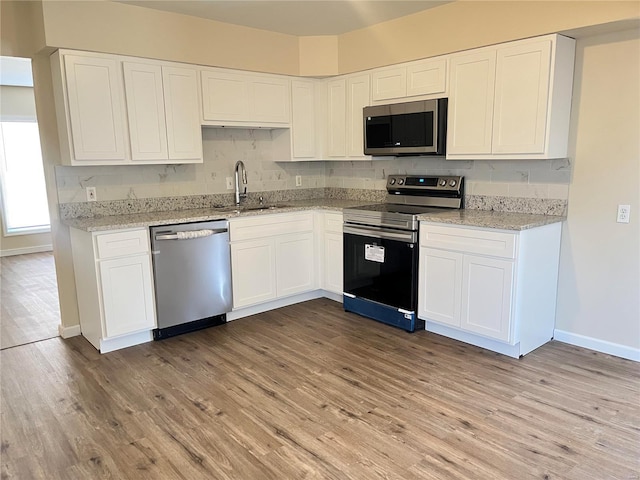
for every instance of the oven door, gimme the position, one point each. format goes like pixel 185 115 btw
pixel 381 265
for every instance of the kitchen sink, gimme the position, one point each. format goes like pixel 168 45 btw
pixel 251 208
pixel 264 207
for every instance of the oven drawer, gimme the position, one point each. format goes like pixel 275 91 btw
pixel 469 240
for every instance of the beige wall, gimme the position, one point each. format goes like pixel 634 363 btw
pixel 125 29
pixel 18 103
pixel 599 289
pixel 468 24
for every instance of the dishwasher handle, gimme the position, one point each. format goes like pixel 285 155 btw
pixel 191 234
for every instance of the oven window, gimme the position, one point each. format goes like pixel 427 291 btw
pixel 392 281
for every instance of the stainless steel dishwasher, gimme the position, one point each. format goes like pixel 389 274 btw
pixel 192 269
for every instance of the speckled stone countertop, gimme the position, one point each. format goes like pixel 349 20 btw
pixel 469 218
pixel 491 219
pixel 133 220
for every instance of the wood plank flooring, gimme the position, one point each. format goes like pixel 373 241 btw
pixel 312 392
pixel 29 308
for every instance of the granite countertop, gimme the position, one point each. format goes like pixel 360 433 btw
pixel 469 218
pixel 133 220
pixel 490 219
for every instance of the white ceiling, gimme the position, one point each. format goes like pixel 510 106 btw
pixel 294 17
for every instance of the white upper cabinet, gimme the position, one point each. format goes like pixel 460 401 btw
pixel 511 101
pixel 470 115
pixel 115 110
pixel 427 77
pixel 337 118
pixel 387 83
pixel 94 110
pixel 304 135
pixel 184 134
pixel 346 97
pixel 424 77
pixel 522 90
pixel 245 100
pixel 145 111
pixel 358 97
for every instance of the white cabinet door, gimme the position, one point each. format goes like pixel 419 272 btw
pixel 127 295
pixel 303 122
pixel 471 94
pixel 270 100
pixel 521 98
pixel 184 134
pixel 145 111
pixel 440 286
pixel 337 118
pixel 253 272
pixel 358 97
pixel 225 96
pixel 295 262
pixel 487 296
pixel 427 77
pixel 94 97
pixel 333 262
pixel 388 83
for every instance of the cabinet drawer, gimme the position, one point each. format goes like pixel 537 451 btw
pixel 269 225
pixel 118 244
pixel 333 222
pixel 469 240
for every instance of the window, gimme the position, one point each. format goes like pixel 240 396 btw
pixel 24 196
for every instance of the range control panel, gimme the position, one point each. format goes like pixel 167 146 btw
pixel 425 182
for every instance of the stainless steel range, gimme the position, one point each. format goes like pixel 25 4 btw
pixel 381 247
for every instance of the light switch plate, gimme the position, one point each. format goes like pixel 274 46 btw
pixel 91 194
pixel 298 180
pixel 229 183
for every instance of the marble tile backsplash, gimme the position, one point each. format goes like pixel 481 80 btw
pixel 489 184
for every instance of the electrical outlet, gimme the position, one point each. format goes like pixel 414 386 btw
pixel 298 180
pixel 229 183
pixel 623 213
pixel 91 194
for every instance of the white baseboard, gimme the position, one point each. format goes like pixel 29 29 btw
pixel 68 332
pixel 25 250
pixel 598 345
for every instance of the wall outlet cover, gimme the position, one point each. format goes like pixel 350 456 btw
pixel 91 194
pixel 624 212
pixel 298 180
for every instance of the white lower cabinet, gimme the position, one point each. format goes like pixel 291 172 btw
pixel 114 284
pixel 493 289
pixel 254 271
pixel 272 256
pixel 332 278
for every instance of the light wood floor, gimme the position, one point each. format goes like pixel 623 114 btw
pixel 29 308
pixel 310 391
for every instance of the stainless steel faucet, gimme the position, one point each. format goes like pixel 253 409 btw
pixel 240 173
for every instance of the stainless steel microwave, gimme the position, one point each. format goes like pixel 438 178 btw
pixel 412 128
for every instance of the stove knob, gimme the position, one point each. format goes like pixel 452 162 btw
pixel 452 183
pixel 443 183
pixel 400 181
pixel 392 181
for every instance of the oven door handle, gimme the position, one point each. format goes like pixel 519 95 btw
pixel 409 237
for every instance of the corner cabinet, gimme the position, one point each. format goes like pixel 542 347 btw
pixel 114 284
pixel 346 97
pixel 493 289
pixel 115 110
pixel 511 101
pixel 272 257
